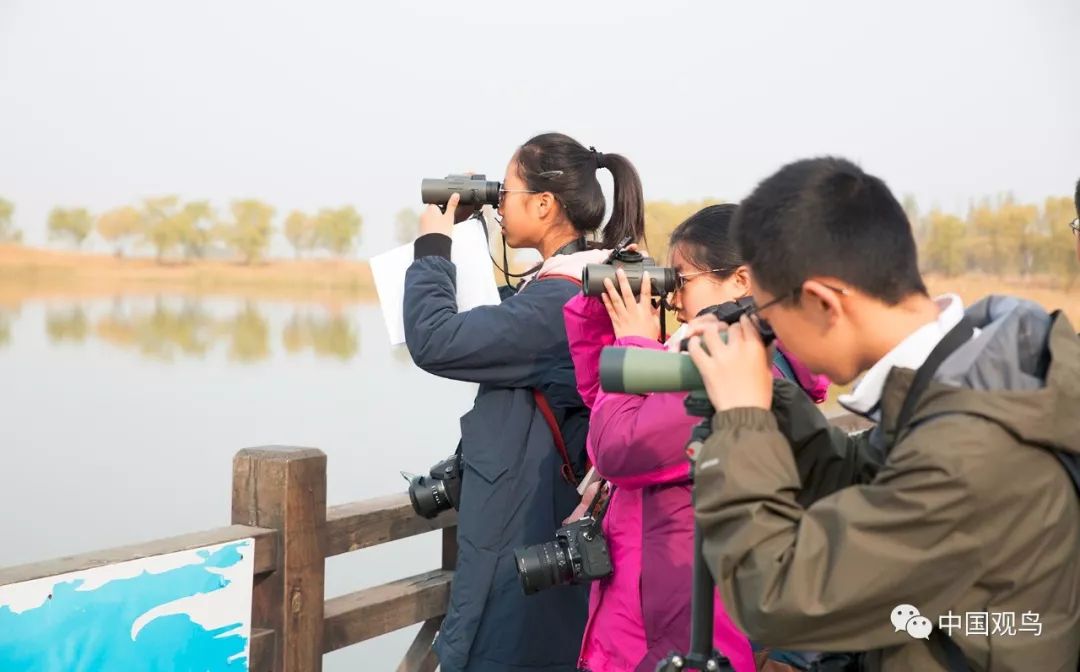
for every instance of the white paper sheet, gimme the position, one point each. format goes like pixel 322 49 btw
pixel 475 280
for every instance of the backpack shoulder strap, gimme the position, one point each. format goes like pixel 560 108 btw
pixel 956 337
pixel 955 659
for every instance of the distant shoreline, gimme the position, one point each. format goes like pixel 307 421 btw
pixel 35 273
pixel 28 273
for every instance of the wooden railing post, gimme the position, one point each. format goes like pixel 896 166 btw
pixel 284 488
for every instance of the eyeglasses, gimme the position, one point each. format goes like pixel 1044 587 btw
pixel 503 192
pixel 1075 226
pixel 682 278
pixel 756 310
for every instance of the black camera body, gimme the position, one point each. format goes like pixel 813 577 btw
pixel 578 554
pixel 439 491
pixel 634 264
pixel 474 190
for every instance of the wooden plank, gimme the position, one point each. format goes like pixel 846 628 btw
pixel 359 616
pixel 356 525
pixel 284 488
pixel 265 550
pixel 421 657
pixel 261 650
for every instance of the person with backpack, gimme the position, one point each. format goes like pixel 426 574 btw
pixel 641 613
pixel 961 501
pixel 522 443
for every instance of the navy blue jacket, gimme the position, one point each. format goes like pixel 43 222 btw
pixel 512 492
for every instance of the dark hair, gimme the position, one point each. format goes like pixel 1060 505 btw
pixel 1076 198
pixel 705 238
pixel 563 166
pixel 825 216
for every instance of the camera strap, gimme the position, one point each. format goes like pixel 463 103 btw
pixel 556 434
pixel 599 515
pixel 576 245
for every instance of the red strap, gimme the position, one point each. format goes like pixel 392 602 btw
pixel 545 407
pixel 556 434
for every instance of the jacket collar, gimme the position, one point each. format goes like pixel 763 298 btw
pixel 910 353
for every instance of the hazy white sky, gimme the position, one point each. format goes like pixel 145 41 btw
pixel 308 104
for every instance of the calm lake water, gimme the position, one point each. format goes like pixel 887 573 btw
pixel 121 418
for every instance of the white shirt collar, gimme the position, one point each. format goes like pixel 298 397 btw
pixel 910 353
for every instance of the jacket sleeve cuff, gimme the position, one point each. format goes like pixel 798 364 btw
pixel 432 245
pixel 744 418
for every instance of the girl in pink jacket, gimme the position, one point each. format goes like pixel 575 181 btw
pixel 641 613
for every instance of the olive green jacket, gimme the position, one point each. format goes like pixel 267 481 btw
pixel 815 536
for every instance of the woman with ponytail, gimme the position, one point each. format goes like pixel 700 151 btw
pixel 523 442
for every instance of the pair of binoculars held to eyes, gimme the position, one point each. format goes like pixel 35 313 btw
pixel 477 191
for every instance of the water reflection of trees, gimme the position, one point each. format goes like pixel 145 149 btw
pixel 248 334
pixel 326 335
pixel 67 324
pixel 166 331
pixel 163 332
pixel 6 317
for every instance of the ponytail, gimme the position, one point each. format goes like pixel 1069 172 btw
pixel 628 209
pixel 558 164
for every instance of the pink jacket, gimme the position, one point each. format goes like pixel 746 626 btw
pixel 641 613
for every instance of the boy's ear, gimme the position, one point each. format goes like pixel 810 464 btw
pixel 822 303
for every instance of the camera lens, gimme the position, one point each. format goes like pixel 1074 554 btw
pixel 428 496
pixel 543 566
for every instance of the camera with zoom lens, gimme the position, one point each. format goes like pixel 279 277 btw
pixel 641 371
pixel 578 555
pixel 474 190
pixel 633 264
pixel 437 492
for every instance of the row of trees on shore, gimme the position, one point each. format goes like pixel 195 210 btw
pixel 999 236
pixel 174 229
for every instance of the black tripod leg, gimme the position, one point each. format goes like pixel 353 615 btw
pixel 701 655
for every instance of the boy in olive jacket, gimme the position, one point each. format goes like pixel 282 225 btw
pixel 947 537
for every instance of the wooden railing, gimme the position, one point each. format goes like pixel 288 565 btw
pixel 284 489
pixel 279 500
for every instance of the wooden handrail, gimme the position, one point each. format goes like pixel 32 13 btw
pixel 365 614
pixel 279 500
pixel 265 552
pixel 357 525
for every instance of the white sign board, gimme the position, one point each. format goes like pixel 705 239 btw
pixel 189 610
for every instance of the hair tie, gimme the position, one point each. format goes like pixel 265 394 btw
pixel 598 157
